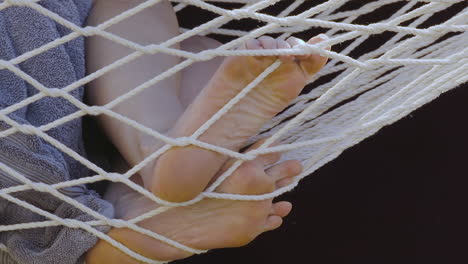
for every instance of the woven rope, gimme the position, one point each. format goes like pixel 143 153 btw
pixel 363 94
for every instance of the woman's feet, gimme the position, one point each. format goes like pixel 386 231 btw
pixel 208 224
pixel 182 173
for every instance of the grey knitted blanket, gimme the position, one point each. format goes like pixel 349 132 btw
pixel 23 29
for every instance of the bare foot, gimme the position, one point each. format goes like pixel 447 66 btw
pixel 182 173
pixel 209 224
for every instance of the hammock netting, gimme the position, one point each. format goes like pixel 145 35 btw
pixel 363 87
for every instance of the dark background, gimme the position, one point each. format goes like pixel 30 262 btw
pixel 397 197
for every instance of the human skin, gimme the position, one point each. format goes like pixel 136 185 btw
pixel 163 107
pixel 177 107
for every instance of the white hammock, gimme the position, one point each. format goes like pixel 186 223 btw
pixel 360 94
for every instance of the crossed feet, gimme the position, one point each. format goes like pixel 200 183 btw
pixel 182 173
pixel 208 224
pixel 173 182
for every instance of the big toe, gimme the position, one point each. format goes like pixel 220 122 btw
pixel 311 63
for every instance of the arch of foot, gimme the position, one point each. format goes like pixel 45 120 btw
pixel 360 90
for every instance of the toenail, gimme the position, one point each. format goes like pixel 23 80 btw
pixel 323 36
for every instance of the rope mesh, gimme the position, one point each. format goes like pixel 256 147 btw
pixel 361 89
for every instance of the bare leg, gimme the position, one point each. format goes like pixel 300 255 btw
pixel 157 107
pixel 215 216
pixel 160 106
pixel 179 183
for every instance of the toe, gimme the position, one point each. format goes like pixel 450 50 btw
pixel 273 222
pixel 268 42
pixel 284 182
pixel 318 38
pixel 314 62
pixel 310 63
pixel 283 44
pixel 253 44
pixel 286 169
pixel 293 42
pixel 281 209
pixel 269 159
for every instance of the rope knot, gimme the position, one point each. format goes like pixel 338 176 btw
pixel 73 223
pixel 183 141
pixel 53 92
pixel 27 129
pixel 94 110
pixel 118 223
pixel 89 31
pixel 239 14
pixel 113 177
pixel 41 187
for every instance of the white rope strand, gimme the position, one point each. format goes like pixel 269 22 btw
pixel 363 91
